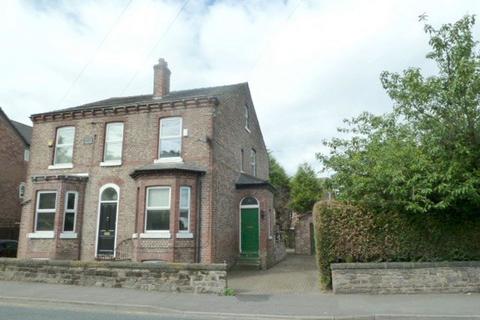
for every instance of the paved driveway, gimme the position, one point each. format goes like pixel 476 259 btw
pixel 295 274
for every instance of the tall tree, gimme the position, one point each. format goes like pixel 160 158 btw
pixel 280 181
pixel 424 156
pixel 305 189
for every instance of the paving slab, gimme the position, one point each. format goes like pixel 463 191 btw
pixel 251 306
pixel 296 274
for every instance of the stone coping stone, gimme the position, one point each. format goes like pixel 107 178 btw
pixel 405 265
pixel 160 266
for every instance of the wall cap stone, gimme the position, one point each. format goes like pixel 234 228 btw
pixel 161 266
pixel 403 265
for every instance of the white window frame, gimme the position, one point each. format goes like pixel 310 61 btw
pixel 185 233
pixel 74 211
pixel 44 233
pixel 253 162
pixel 247 118
pixel 26 154
pixel 157 233
pixel 117 162
pixel 162 137
pixel 65 165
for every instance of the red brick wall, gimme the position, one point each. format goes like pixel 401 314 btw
pixel 140 148
pixel 302 235
pixel 12 173
pixel 230 137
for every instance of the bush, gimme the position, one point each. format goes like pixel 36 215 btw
pixel 347 233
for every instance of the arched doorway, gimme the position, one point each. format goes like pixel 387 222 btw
pixel 249 227
pixel 107 220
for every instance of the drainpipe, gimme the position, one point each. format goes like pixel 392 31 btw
pixel 199 221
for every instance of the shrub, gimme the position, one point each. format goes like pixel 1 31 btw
pixel 348 233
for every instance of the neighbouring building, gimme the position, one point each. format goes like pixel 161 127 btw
pixel 14 156
pixel 176 176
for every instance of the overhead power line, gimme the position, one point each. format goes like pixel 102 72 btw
pixel 164 34
pixel 94 55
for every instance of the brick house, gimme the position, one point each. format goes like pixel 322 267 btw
pixel 176 176
pixel 14 155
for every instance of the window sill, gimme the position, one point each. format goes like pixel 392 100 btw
pixel 68 235
pixel 113 163
pixel 167 160
pixel 61 166
pixel 184 235
pixel 41 235
pixel 156 235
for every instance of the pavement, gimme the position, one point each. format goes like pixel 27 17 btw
pixel 296 274
pixel 242 306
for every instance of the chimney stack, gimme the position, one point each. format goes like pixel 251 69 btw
pixel 161 79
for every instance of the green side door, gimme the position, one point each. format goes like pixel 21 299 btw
pixel 249 231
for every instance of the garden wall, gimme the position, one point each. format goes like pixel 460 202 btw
pixel 166 277
pixel 405 277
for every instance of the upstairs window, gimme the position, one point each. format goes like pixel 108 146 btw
pixel 184 223
pixel 247 118
pixel 253 162
pixel 242 160
pixel 70 211
pixel 64 145
pixel 26 154
pixel 170 138
pixel 45 210
pixel 113 142
pixel 157 209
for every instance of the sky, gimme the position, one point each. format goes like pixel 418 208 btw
pixel 309 63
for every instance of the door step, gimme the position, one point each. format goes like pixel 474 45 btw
pixel 248 263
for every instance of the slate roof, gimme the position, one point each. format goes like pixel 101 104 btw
pixel 171 166
pixel 219 92
pixel 247 181
pixel 23 131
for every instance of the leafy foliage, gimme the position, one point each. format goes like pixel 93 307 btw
pixel 349 233
pixel 424 157
pixel 281 182
pixel 305 189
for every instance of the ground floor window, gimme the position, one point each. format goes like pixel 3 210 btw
pixel 45 210
pixel 70 211
pixel 184 217
pixel 158 209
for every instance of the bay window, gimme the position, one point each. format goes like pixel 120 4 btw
pixel 70 213
pixel 184 215
pixel 157 215
pixel 45 211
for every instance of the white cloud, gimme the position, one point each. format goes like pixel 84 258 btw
pixel 309 63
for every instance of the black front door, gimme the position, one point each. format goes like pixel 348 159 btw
pixel 106 229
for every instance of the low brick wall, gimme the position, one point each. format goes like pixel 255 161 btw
pixel 166 277
pixel 406 277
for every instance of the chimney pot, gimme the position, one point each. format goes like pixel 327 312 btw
pixel 161 79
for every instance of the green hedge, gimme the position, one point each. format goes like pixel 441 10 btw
pixel 345 233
